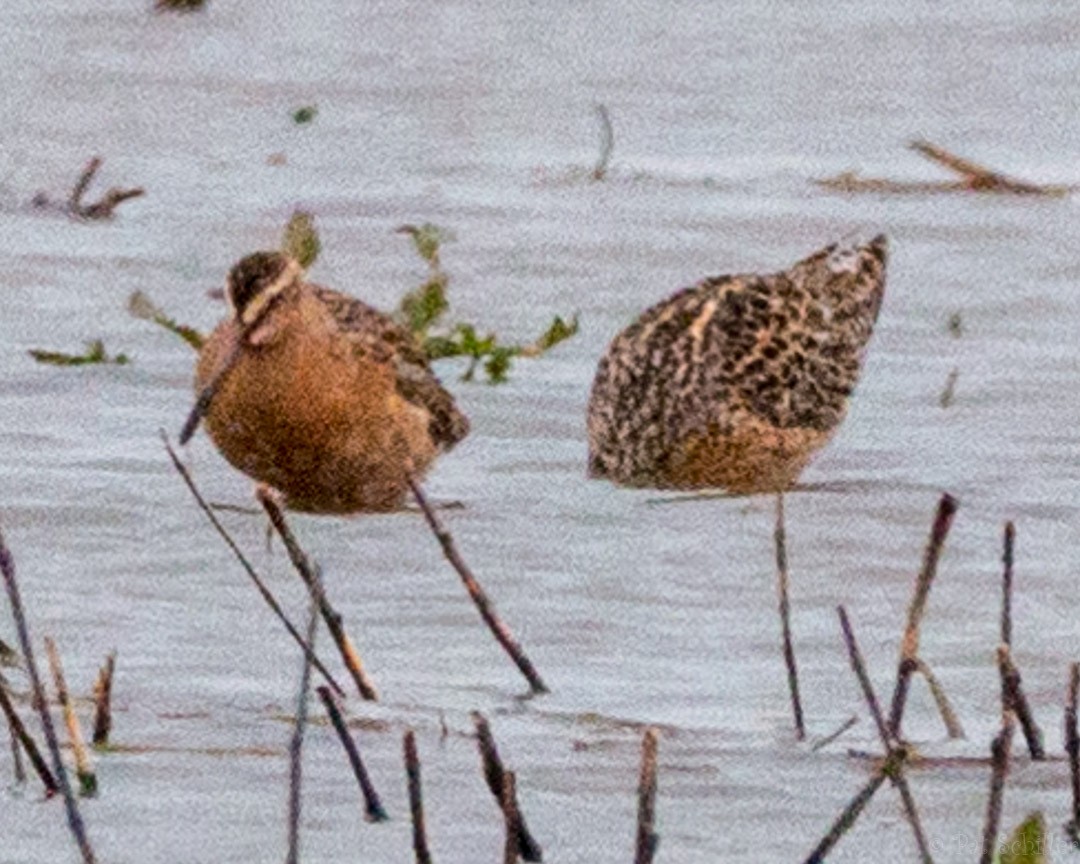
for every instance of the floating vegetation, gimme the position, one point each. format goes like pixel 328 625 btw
pixel 607 143
pixel 300 240
pixel 956 324
pixel 179 5
pixel 1027 844
pixel 95 353
pixel 144 308
pixel 305 114
pixel 423 309
pixel 101 209
pixel 948 392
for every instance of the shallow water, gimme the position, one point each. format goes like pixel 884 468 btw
pixel 636 611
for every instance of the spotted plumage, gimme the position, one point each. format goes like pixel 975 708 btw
pixel 319 395
pixel 735 382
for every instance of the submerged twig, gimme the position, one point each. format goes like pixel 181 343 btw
pixel 256 580
pixel 607 142
pixel 909 646
pixel 1000 749
pixel 373 808
pixel 75 821
pixel 495 775
pixel 416 799
pixel 102 208
pixel 308 573
pixel 479 597
pixel 780 542
pixel 647 838
pixel 103 702
pixel 84 770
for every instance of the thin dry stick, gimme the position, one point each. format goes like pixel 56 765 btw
pixel 373 808
pixel 857 804
pixel 953 727
pixel 84 770
pixel 103 702
pixel 647 838
pixel 81 185
pixel 1072 747
pixel 495 775
pixel 487 611
pixel 103 208
pixel 977 176
pixel 909 647
pixel 511 815
pixel 296 746
pixel 74 818
pixel 16 757
pixel 897 776
pixel 416 800
pixel 1000 749
pixel 607 142
pixel 256 580
pixel 334 622
pixel 1012 697
pixel 18 730
pixel 1007 585
pixel 828 739
pixel 780 541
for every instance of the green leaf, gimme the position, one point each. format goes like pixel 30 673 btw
pixel 305 114
pixel 422 307
pixel 498 364
pixel 141 306
pixel 1027 844
pixel 300 240
pixel 95 353
pixel 427 239
pixel 559 331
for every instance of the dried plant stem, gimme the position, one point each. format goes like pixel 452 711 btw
pixel 1007 584
pixel 782 583
pixel 16 756
pixel 334 622
pixel 487 611
pixel 1013 699
pixel 84 770
pixel 953 728
pixel 1000 749
pixel 103 702
pixel 1072 748
pixel 897 777
pixel 296 747
pixel 607 142
pixel 18 731
pixel 828 739
pixel 103 208
pixel 75 822
pixel 256 580
pixel 416 800
pixel 849 815
pixel 495 775
pixel 909 646
pixel 373 808
pixel 647 838
pixel 511 817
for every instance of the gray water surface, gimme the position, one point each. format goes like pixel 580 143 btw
pixel 481 120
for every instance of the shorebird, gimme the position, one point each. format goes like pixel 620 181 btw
pixel 318 395
pixel 735 382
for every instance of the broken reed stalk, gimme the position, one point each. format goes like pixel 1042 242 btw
pixel 607 142
pixel 897 777
pixel 978 177
pixel 495 775
pixel 74 818
pixel 416 800
pixel 647 838
pixel 953 727
pixel 909 646
pixel 18 731
pixel 1000 749
pixel 308 573
pixel 256 580
pixel 479 597
pixel 103 703
pixel 1007 584
pixel 16 757
pixel 84 769
pixel 1072 747
pixel 103 208
pixel 296 747
pixel 1013 699
pixel 373 808
pixel 511 816
pixel 851 813
pixel 832 736
pixel 782 582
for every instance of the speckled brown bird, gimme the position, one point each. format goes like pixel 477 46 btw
pixel 735 382
pixel 319 395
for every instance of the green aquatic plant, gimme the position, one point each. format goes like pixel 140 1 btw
pixel 305 114
pixel 144 308
pixel 300 240
pixel 1027 844
pixel 94 353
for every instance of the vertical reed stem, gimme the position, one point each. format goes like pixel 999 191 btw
pixel 296 746
pixel 373 808
pixel 999 761
pixel 780 542
pixel 647 838
pixel 18 731
pixel 84 770
pixel 510 818
pixel 1072 747
pixel 416 800
pixel 495 775
pixel 103 702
